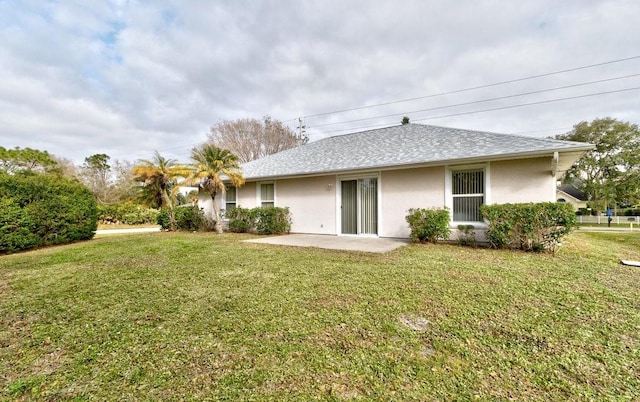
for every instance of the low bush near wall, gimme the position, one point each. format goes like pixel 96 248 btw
pixel 192 218
pixel 529 227
pixel 263 220
pixel 428 224
pixel 467 235
pixel 241 220
pixel 189 218
pixel 39 210
pixel 273 220
pixel 127 213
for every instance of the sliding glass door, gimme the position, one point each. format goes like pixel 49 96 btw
pixel 359 206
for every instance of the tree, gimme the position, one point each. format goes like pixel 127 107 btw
pixel 158 178
pixel 124 185
pixel 251 139
pixel 608 174
pixel 210 163
pixel 22 159
pixel 95 173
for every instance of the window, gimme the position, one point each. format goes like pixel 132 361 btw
pixel 468 191
pixel 267 195
pixel 231 198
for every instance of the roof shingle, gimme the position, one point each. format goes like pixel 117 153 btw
pixel 408 144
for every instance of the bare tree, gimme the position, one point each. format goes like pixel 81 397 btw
pixel 251 139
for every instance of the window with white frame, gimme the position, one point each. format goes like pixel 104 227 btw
pixel 468 191
pixel 267 195
pixel 230 198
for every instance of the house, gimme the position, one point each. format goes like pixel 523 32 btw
pixel 363 183
pixel 569 193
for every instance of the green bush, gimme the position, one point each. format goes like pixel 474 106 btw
pixel 529 226
pixel 164 220
pixel 467 235
pixel 127 213
pixel 428 224
pixel 272 220
pixel 41 209
pixel 263 220
pixel 190 218
pixel 241 220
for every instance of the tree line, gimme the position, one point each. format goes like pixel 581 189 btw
pixel 609 174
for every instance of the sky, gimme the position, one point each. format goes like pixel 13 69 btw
pixel 128 78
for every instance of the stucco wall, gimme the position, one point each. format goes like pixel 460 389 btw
pixel 522 180
pixel 247 196
pixel 404 189
pixel 314 207
pixel 311 201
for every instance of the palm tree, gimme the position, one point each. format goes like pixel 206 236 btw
pixel 158 178
pixel 210 164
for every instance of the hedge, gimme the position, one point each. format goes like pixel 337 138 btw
pixel 127 213
pixel 185 217
pixel 263 220
pixel 529 226
pixel 40 210
pixel 241 220
pixel 428 225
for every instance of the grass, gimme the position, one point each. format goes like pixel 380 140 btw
pixel 613 225
pixel 201 316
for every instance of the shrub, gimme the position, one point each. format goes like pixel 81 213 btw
pixel 530 226
pixel 467 235
pixel 127 213
pixel 241 220
pixel 263 220
pixel 428 224
pixel 164 220
pixel 189 218
pixel 41 209
pixel 272 220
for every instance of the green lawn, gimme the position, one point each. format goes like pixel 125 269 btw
pixel 202 316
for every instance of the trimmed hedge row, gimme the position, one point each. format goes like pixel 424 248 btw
pixel 189 218
pixel 40 210
pixel 529 226
pixel 263 220
pixel 127 213
pixel 428 225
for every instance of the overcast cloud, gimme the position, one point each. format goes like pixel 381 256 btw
pixel 126 78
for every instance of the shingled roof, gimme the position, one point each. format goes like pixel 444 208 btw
pixel 573 191
pixel 404 145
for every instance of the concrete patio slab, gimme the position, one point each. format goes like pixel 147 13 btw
pixel 350 243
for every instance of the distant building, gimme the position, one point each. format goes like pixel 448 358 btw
pixel 569 193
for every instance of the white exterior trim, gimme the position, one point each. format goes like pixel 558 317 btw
pixel 368 175
pixel 448 191
pixel 259 194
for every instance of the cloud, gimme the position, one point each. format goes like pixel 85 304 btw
pixel 126 77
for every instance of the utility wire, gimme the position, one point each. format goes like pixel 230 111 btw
pixel 477 87
pixel 479 101
pixel 436 95
pixel 497 108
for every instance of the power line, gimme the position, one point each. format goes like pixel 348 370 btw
pixel 497 108
pixel 477 87
pixel 479 101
